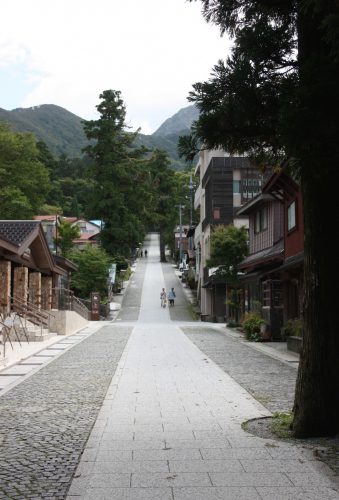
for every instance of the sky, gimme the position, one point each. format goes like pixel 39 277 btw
pixel 67 52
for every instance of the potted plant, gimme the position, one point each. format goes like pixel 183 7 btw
pixel 292 332
pixel 252 326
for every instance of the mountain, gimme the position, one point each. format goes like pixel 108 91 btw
pixel 63 133
pixel 178 123
pixel 60 129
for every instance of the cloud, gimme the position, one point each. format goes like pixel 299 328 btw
pixel 150 50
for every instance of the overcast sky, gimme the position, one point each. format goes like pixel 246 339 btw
pixel 67 52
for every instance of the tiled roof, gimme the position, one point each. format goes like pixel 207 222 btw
pixel 16 231
pixel 86 236
pixel 276 250
pixel 45 217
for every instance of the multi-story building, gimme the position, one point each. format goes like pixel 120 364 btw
pixel 225 183
pixel 273 270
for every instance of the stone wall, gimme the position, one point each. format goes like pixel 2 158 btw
pixel 66 322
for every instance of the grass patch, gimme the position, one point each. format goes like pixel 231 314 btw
pixel 192 312
pixel 281 424
pixel 262 398
pixel 244 426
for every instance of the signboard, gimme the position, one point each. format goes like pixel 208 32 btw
pixel 95 306
pixel 112 273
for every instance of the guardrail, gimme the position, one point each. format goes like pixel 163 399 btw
pixel 65 300
pixel 29 312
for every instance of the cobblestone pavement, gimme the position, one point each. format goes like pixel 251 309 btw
pixel 269 380
pixel 45 421
pixel 136 411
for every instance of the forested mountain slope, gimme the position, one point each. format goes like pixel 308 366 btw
pixel 62 131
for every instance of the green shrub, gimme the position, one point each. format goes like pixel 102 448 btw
pixel 251 324
pixel 125 274
pixel 293 327
pixel 233 324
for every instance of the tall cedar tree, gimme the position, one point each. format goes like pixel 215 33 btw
pixel 118 172
pixel 277 97
pixel 164 195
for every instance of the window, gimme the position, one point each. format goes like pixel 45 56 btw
pixel 291 216
pixel 272 293
pixel 216 213
pixel 263 219
pixel 236 187
pixel 260 221
pixel 257 222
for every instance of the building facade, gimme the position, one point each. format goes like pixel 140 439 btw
pixel 225 183
pixel 273 270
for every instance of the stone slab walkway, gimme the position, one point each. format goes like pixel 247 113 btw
pixel 170 426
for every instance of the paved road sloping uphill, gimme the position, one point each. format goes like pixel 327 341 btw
pixel 139 409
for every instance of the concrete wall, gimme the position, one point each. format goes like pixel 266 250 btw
pixel 65 322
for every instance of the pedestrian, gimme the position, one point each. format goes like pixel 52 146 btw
pixel 145 253
pixel 163 297
pixel 141 253
pixel 171 297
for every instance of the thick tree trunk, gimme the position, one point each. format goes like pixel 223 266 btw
pixel 316 407
pixel 162 246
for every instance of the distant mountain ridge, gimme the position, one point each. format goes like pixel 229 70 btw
pixel 63 133
pixel 180 122
pixel 60 129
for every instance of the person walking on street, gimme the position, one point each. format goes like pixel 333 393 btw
pixel 171 297
pixel 145 253
pixel 163 297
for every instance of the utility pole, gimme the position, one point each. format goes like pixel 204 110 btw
pixel 180 231
pixel 180 234
pixel 56 234
pixel 190 187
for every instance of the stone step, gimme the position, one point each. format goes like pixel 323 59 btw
pixel 33 334
pixel 44 336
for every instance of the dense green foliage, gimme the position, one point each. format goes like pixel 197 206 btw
pixel 120 197
pixel 251 324
pixel 276 98
pixel 65 237
pixel 93 264
pixel 229 246
pixel 23 178
pixel 163 210
pixel 61 130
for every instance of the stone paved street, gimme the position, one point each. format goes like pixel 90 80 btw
pixel 150 407
pixel 269 380
pixel 46 420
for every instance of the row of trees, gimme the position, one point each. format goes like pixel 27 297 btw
pixel 276 98
pixel 129 188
